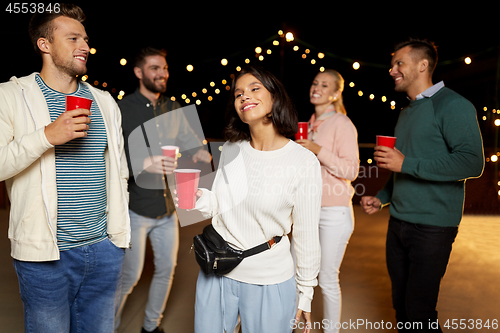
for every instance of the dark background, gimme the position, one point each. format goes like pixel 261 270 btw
pixel 202 35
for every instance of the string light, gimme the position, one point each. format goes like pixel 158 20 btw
pixel 289 37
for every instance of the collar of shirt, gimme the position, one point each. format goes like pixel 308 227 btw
pixel 430 91
pixel 144 100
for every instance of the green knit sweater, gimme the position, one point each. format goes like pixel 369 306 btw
pixel 442 144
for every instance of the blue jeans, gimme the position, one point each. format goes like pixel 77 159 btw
pixel 77 293
pixel 417 257
pixel 163 234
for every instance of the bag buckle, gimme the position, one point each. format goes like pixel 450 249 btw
pixel 271 243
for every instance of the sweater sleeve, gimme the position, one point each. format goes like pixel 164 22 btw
pixel 305 217
pixel 462 136
pixel 385 194
pixel 207 204
pixel 342 160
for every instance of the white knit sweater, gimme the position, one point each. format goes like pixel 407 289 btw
pixel 257 195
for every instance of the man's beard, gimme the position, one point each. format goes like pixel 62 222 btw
pixel 68 67
pixel 151 86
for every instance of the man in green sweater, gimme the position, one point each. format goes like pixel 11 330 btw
pixel 438 147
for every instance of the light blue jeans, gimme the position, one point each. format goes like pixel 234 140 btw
pixel 77 293
pixel 262 308
pixel 163 234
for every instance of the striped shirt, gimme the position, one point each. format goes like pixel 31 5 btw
pixel 80 175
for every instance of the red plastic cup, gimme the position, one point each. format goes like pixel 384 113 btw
pixel 75 102
pixel 302 133
pixel 387 141
pixel 170 151
pixel 186 183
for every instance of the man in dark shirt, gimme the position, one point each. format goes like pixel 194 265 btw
pixel 150 121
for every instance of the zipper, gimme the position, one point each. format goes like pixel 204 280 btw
pixel 215 263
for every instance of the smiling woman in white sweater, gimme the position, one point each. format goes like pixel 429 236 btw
pixel 265 184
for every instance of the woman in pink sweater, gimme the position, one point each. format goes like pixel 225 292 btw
pixel 333 138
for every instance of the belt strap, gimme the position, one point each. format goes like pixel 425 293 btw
pixel 262 247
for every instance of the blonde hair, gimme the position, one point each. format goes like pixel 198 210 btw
pixel 339 80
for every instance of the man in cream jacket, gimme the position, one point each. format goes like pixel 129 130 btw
pixel 66 176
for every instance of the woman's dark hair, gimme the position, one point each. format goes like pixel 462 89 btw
pixel 283 114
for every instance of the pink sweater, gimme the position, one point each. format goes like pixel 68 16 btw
pixel 339 159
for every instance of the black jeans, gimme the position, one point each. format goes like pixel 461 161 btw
pixel 417 256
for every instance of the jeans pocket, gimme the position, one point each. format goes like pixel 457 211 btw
pixel 431 229
pixel 121 250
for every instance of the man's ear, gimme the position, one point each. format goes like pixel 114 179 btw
pixel 423 65
pixel 138 72
pixel 43 45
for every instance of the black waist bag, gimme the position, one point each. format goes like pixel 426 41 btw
pixel 215 256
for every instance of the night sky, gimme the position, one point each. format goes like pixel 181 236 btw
pixel 202 36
